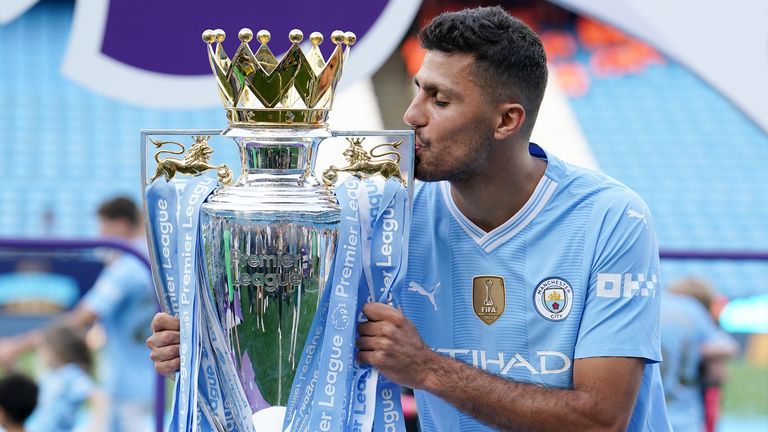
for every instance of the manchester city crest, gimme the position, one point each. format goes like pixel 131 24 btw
pixel 553 298
pixel 488 297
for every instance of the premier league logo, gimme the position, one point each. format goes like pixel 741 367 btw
pixel 553 298
pixel 340 317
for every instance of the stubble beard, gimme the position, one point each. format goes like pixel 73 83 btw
pixel 461 172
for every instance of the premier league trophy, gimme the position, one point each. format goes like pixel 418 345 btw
pixel 244 263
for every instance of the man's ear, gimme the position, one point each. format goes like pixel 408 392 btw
pixel 511 118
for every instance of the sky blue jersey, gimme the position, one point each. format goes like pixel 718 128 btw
pixel 574 274
pixel 63 391
pixel 124 300
pixel 686 326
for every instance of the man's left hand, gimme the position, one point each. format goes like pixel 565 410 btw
pixel 390 343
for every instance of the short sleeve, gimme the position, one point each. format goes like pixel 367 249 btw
pixel 621 316
pixel 115 283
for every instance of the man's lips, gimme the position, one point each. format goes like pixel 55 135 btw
pixel 417 144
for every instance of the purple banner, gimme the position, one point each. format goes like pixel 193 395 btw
pixel 164 36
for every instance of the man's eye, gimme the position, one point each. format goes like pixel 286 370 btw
pixel 439 102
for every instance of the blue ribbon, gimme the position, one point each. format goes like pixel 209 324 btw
pixel 331 392
pixel 162 210
pixel 385 251
pixel 207 395
pixel 194 194
pixel 233 411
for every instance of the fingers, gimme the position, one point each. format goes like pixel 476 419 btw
pixel 163 321
pixel 369 343
pixel 374 328
pixel 163 339
pixel 168 368
pixel 164 354
pixel 368 357
pixel 375 311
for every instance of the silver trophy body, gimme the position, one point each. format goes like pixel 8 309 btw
pixel 269 240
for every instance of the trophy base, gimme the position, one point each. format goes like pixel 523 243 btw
pixel 269 419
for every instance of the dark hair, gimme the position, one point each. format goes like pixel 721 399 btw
pixel 509 56
pixel 18 397
pixel 120 208
pixel 68 346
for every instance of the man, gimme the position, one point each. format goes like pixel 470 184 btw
pixel 531 300
pixel 122 300
pixel 695 352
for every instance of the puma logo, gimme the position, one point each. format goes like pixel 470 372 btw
pixel 418 289
pixel 634 214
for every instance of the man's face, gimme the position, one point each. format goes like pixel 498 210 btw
pixel 452 117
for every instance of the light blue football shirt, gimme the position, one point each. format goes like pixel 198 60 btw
pixel 574 274
pixel 685 327
pixel 62 393
pixel 124 300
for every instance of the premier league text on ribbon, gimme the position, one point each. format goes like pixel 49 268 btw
pixel 335 360
pixel 166 258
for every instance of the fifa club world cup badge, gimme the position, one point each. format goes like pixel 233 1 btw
pixel 488 297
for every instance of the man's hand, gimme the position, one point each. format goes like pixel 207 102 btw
pixel 164 344
pixel 390 343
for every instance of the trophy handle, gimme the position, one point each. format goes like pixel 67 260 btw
pixel 155 139
pixel 194 162
pixel 390 159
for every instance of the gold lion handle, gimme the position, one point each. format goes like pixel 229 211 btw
pixel 364 164
pixel 194 162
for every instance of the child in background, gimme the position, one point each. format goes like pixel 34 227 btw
pixel 18 396
pixel 66 385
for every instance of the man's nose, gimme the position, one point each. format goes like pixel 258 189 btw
pixel 413 115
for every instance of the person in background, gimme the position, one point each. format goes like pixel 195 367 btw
pixel 66 384
pixel 18 397
pixel 695 353
pixel 122 300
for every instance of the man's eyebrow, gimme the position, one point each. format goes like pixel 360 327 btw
pixel 434 88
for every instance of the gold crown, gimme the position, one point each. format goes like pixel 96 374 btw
pixel 257 90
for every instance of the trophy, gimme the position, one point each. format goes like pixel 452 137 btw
pixel 250 279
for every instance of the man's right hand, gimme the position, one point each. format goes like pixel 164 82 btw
pixel 164 344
